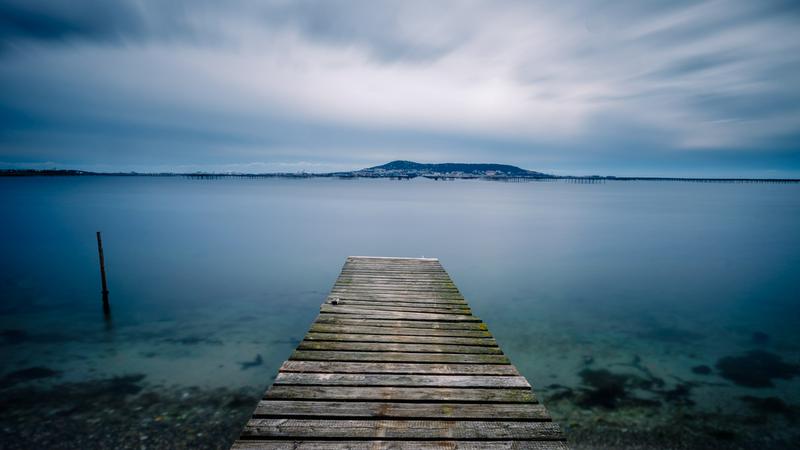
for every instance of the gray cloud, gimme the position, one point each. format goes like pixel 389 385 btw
pixel 146 82
pixel 391 30
pixel 64 19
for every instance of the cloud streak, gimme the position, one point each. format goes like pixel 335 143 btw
pixel 576 87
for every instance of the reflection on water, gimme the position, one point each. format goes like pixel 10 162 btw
pixel 641 312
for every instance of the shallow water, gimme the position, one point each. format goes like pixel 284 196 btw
pixel 635 308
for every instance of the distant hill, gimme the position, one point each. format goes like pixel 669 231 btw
pixel 449 169
pixel 400 170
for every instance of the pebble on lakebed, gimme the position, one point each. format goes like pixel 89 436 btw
pixel 122 413
pixel 756 369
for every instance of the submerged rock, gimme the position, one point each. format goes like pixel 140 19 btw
pixel 670 335
pixel 254 363
pixel 12 337
pixel 756 368
pixel 29 374
pixel 607 388
pixel 610 390
pixel 701 370
pixel 194 340
pixel 760 338
pixel 681 394
pixel 769 405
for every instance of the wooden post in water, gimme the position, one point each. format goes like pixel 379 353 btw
pixel 106 307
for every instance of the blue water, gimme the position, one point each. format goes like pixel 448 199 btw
pixel 645 280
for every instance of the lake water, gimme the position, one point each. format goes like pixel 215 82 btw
pixel 659 314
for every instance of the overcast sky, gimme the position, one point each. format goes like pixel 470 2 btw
pixel 569 87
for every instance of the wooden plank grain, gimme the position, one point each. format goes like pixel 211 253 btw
pixel 373 313
pixel 359 337
pixel 348 320
pixel 397 347
pixel 405 429
pixel 398 291
pixel 388 306
pixel 430 304
pixel 397 280
pixel 452 381
pixel 400 331
pixel 450 358
pixel 434 300
pixel 418 411
pixel 258 444
pixel 398 394
pixel 399 368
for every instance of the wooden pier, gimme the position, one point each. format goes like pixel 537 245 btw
pixel 397 360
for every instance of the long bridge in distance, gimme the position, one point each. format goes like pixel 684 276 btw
pixel 397 360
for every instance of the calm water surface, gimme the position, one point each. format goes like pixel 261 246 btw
pixel 635 308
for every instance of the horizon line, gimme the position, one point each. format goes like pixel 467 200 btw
pixel 354 174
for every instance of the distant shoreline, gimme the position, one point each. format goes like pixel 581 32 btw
pixel 357 175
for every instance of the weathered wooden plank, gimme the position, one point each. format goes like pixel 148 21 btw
pixel 429 296
pixel 399 308
pixel 396 280
pixel 364 272
pixel 390 347
pixel 400 394
pixel 406 429
pixel 392 269
pixel 420 278
pixel 389 268
pixel 389 275
pixel 313 336
pixel 446 358
pixel 432 299
pixel 433 275
pixel 407 287
pixel 416 263
pixel 418 411
pixel 359 259
pixel 394 286
pixel 432 295
pixel 412 268
pixel 400 301
pixel 392 315
pixel 424 275
pixel 398 445
pixel 399 259
pixel 399 368
pixel 350 379
pixel 408 290
pixel 425 304
pixel 395 277
pixel 346 320
pixel 356 329
pixel 347 309
pixel 398 284
pixel 357 266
